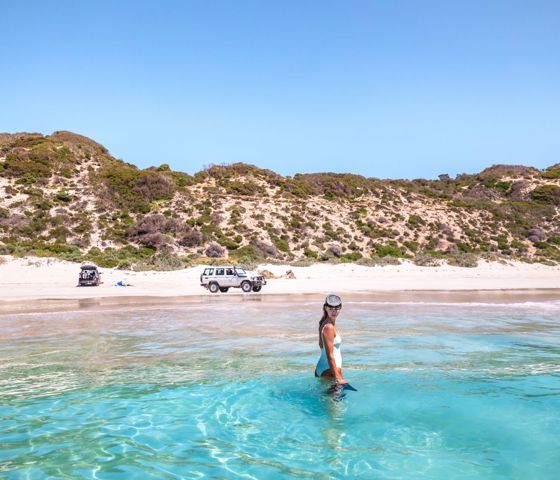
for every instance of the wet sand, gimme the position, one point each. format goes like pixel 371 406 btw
pixel 398 297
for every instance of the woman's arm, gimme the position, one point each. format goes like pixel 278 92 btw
pixel 328 338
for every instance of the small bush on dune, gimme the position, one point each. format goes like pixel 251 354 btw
pixel 334 250
pixel 63 196
pixel 549 194
pixel 376 261
pixel 166 262
pixel 303 262
pixel 130 187
pixel 389 251
pixel 248 256
pixel 310 253
pixel 191 238
pixel 552 172
pixel 150 229
pixel 247 188
pixel 214 251
pixel 426 260
pixel 280 244
pixel 127 257
pixel 467 260
pixel 267 249
pixel 416 221
pixel 330 185
pixel 351 257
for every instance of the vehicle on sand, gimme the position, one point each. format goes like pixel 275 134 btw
pixel 221 279
pixel 89 276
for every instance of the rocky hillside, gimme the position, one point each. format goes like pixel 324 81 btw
pixel 64 195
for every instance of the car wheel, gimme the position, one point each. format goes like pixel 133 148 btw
pixel 224 289
pixel 257 289
pixel 213 287
pixel 246 287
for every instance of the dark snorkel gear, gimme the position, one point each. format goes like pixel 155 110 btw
pixel 333 301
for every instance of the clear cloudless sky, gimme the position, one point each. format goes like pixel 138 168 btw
pixel 382 88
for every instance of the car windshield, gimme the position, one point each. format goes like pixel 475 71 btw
pixel 241 272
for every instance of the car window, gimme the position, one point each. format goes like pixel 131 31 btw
pixel 208 271
pixel 229 271
pixel 240 272
pixel 219 271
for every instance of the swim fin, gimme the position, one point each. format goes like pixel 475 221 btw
pixel 338 388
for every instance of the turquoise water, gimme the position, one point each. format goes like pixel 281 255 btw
pixel 450 391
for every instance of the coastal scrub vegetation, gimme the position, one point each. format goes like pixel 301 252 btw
pixel 64 195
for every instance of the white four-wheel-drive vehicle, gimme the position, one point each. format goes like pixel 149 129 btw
pixel 223 278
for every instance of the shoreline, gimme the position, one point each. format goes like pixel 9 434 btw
pixel 34 284
pixel 403 297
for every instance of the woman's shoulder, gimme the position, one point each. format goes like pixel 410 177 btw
pixel 329 329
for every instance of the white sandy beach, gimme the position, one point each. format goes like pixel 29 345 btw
pixel 30 278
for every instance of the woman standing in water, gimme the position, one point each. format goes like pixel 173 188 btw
pixel 330 362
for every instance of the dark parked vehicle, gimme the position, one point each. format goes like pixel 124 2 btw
pixel 89 276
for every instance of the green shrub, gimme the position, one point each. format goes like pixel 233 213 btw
pixel 28 167
pixel 59 234
pixel 351 257
pixel 415 220
pixel 123 258
pixel 502 241
pixel 296 222
pixel 280 244
pixel 548 194
pixel 330 185
pixel 376 261
pixel 411 245
pixel 551 172
pixel 63 196
pixel 247 188
pixel 7 249
pixel 426 260
pixel 434 253
pixel 518 245
pixel 248 256
pixel 429 193
pixel 464 247
pixel 310 253
pixel 503 186
pixel 129 187
pixel 389 251
pixel 467 260
pixel 166 262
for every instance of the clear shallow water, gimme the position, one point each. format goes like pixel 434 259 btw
pixel 209 391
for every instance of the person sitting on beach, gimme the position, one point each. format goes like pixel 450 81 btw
pixel 330 362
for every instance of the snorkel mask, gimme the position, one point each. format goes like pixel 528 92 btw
pixel 333 301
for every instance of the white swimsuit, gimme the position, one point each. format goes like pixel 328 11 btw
pixel 323 363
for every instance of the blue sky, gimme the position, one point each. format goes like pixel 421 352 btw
pixel 388 89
